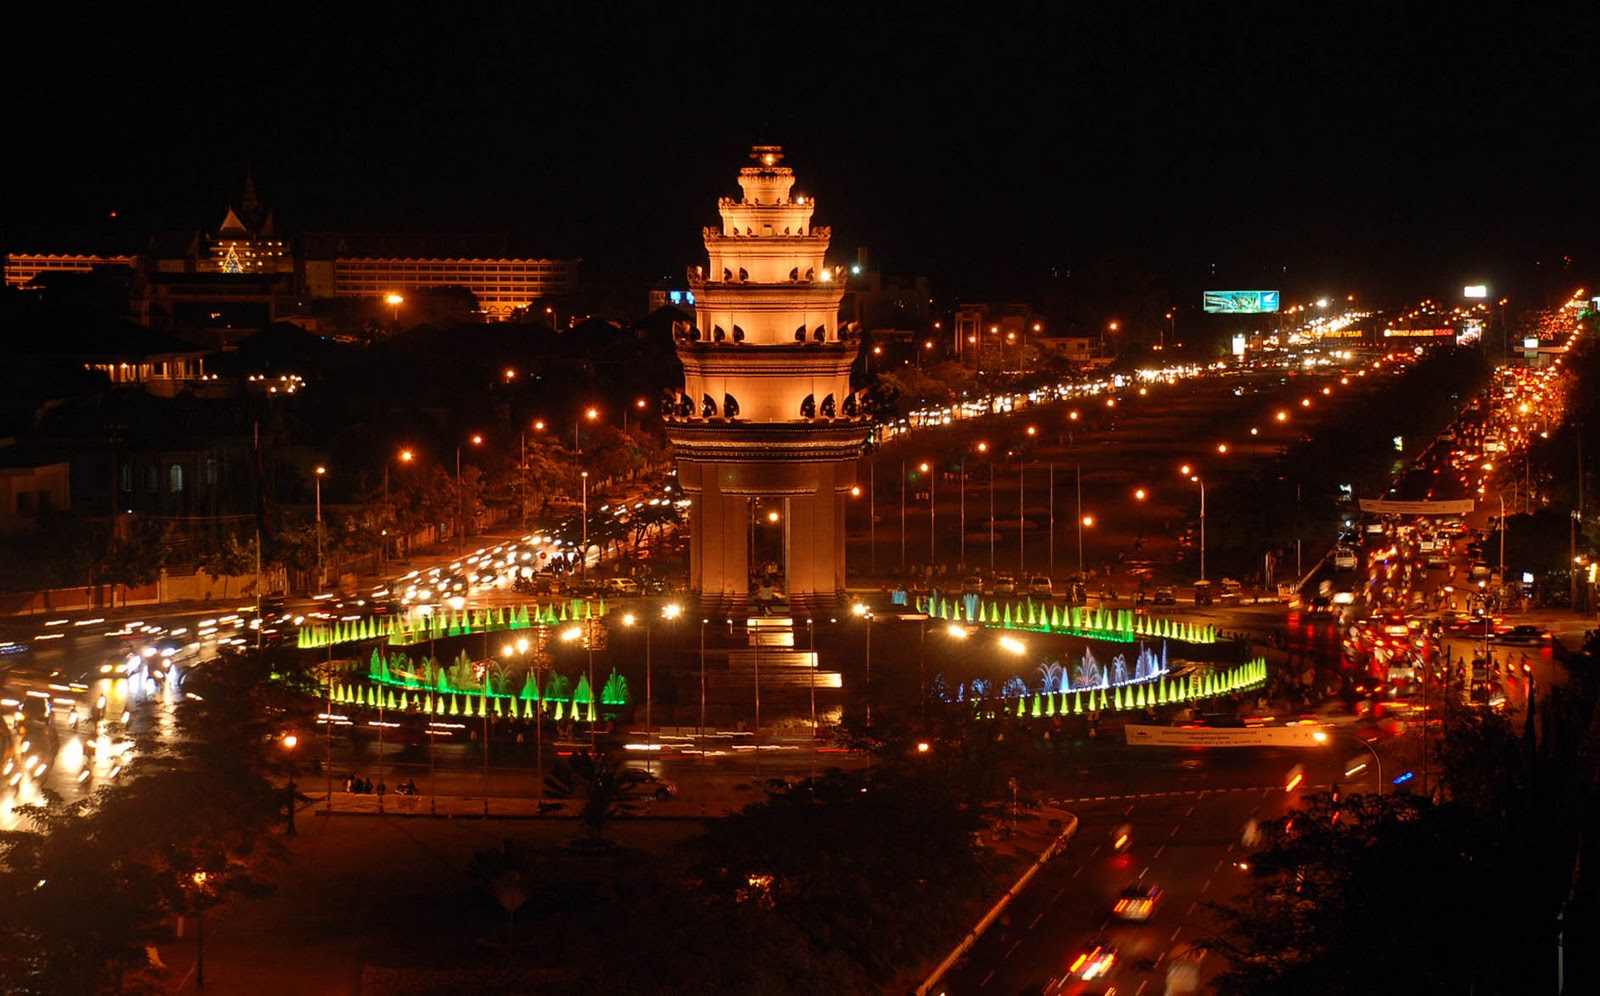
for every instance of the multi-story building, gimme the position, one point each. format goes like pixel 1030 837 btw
pixel 374 266
pixel 22 267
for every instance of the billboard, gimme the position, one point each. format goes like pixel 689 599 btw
pixel 1241 302
pixel 1224 736
pixel 1475 291
pixel 1418 333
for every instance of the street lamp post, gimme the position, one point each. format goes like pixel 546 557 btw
pixel 861 610
pixel 1501 498
pixel 963 564
pixel 932 536
pixel 1321 736
pixel 461 517
pixel 290 741
pixel 1079 475
pixel 318 480
pixel 1187 471
pixel 583 555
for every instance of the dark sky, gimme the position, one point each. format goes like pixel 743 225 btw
pixel 985 145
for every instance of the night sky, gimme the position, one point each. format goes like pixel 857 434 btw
pixel 991 147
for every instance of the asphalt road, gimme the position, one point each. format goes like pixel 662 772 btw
pixel 1187 811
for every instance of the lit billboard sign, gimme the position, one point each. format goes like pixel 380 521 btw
pixel 1475 291
pixel 1244 302
pixel 1417 333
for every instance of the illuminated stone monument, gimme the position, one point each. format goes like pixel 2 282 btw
pixel 766 430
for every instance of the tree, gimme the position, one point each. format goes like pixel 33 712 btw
pixel 138 557
pixel 230 559
pixel 888 884
pixel 507 870
pixel 608 789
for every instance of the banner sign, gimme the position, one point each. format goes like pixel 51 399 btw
pixel 1240 302
pixel 1418 333
pixel 1382 506
pixel 1222 736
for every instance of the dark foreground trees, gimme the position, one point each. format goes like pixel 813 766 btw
pixel 1464 892
pixel 86 887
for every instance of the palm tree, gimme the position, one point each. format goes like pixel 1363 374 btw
pixel 608 789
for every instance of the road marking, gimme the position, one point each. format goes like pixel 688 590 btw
pixel 1230 848
pixel 1013 947
pixel 1144 871
pixel 1125 812
pixel 1192 907
pixel 1163 847
pixel 1218 865
pixel 1078 872
pixel 1136 992
pixel 1095 851
pixel 1189 813
pixel 1173 937
pixel 986 979
pixel 1173 834
pixel 1057 896
pixel 1206 886
pixel 1035 922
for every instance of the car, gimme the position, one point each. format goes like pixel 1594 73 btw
pixel 622 586
pixel 1521 636
pixel 1164 596
pixel 1345 559
pixel 1039 586
pixel 972 584
pixel 1095 962
pixel 1005 584
pixel 1137 902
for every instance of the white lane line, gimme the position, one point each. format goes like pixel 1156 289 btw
pixel 1035 922
pixel 1013 947
pixel 1095 851
pixel 1218 866
pixel 1174 937
pixel 1057 896
pixel 1173 834
pixel 1230 848
pixel 1136 992
pixel 986 979
pixel 1189 813
pixel 1206 886
pixel 1079 871
pixel 1192 907
pixel 1127 811
pixel 1144 871
pixel 1163 847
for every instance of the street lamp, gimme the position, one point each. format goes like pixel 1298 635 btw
pixel 583 554
pixel 1321 737
pixel 394 301
pixel 405 456
pixel 290 741
pixel 591 414
pixel 1187 471
pixel 669 613
pixel 861 611
pixel 932 536
pixel 321 582
pixel 461 518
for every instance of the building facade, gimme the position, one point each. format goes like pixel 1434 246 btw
pixel 22 267
pixel 766 430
